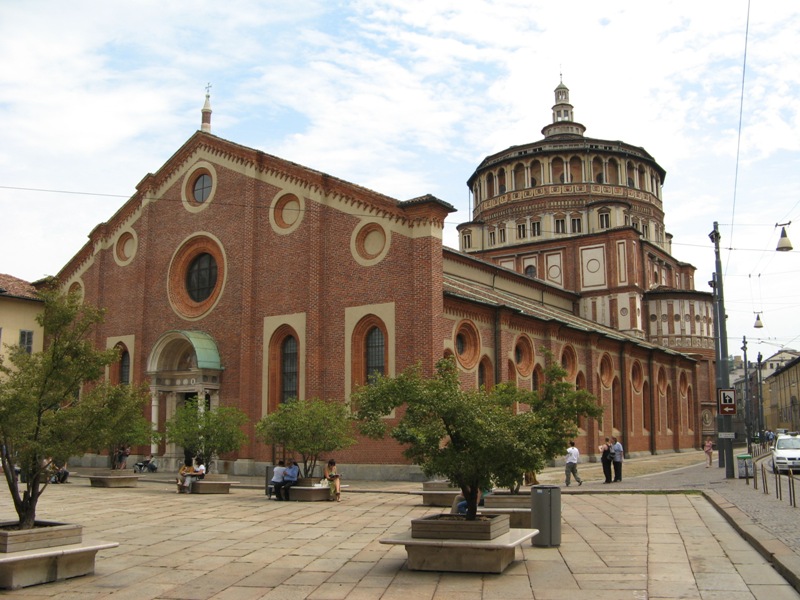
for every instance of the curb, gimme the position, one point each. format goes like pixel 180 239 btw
pixel 782 558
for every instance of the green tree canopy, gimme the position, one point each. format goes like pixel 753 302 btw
pixel 474 438
pixel 207 433
pixel 52 406
pixel 308 428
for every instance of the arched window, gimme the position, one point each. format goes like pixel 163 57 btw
pixel 284 367
pixel 125 368
pixel 374 358
pixel 289 368
pixel 370 350
pixel 485 374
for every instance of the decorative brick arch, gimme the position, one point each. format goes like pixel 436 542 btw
pixel 275 358
pixel 358 345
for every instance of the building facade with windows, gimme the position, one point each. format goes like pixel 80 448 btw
pixel 19 306
pixel 238 278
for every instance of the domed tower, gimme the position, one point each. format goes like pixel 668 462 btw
pixel 586 215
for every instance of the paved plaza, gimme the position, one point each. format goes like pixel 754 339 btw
pixel 615 544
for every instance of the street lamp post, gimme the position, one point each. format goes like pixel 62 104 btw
pixel 761 424
pixel 747 411
pixel 724 422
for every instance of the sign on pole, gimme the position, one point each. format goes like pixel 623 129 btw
pixel 726 401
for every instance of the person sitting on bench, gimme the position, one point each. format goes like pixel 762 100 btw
pixel 289 479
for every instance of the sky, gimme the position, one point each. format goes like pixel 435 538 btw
pixel 406 97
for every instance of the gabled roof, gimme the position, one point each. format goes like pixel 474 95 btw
pixel 13 287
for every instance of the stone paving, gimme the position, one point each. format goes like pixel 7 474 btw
pixel 615 544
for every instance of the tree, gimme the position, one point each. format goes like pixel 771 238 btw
pixel 308 428
pixel 51 404
pixel 474 438
pixel 206 433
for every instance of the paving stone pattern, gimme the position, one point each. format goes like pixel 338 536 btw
pixel 616 544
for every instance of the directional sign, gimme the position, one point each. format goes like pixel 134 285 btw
pixel 727 401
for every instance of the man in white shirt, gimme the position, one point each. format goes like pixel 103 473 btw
pixel 571 467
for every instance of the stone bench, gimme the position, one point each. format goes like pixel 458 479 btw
pixel 438 497
pixel 303 493
pixel 212 486
pixel 44 565
pixel 462 556
pixel 113 481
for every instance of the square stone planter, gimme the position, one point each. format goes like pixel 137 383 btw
pixel 456 527
pixel 46 534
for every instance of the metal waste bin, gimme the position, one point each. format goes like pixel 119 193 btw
pixel 546 515
pixel 745 463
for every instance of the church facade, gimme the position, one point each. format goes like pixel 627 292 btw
pixel 242 279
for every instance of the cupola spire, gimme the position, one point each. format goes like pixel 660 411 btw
pixel 563 114
pixel 206 112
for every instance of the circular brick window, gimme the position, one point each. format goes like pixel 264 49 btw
pixel 523 355
pixel 569 361
pixel 606 370
pixel 637 377
pixel 467 344
pixel 369 243
pixel 199 187
pixel 196 276
pixel 287 211
pixel 125 248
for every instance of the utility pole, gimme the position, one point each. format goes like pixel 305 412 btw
pixel 762 426
pixel 724 422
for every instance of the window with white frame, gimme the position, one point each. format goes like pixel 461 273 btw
pixel 466 241
pixel 576 225
pixel 26 340
pixel 561 226
pixel 491 238
pixel 536 228
pixel 502 235
pixel 521 231
pixel 605 220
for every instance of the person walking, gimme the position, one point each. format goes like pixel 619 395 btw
pixel 616 457
pixel 571 466
pixel 605 459
pixel 708 448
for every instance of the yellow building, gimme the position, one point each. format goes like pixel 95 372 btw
pixel 19 305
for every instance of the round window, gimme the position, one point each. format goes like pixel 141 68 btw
pixel 202 188
pixel 201 277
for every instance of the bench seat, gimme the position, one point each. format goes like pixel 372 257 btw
pixel 438 497
pixel 462 556
pixel 302 493
pixel 114 481
pixel 212 486
pixel 44 565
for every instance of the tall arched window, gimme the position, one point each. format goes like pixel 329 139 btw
pixel 125 368
pixel 289 369
pixel 284 367
pixel 374 358
pixel 370 350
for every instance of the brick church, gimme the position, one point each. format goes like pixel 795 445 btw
pixel 245 280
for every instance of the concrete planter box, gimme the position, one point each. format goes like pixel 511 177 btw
pixel 114 479
pixel 46 534
pixel 49 552
pixel 456 527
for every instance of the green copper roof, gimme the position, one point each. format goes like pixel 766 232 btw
pixel 205 348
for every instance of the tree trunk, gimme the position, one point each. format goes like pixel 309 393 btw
pixel 472 495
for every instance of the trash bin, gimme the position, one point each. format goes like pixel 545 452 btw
pixel 546 515
pixel 745 461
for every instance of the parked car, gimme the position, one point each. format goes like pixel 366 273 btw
pixel 786 453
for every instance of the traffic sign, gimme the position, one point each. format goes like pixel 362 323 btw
pixel 726 399
pixel 726 435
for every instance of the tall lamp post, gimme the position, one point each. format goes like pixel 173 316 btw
pixel 724 422
pixel 747 408
pixel 761 424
